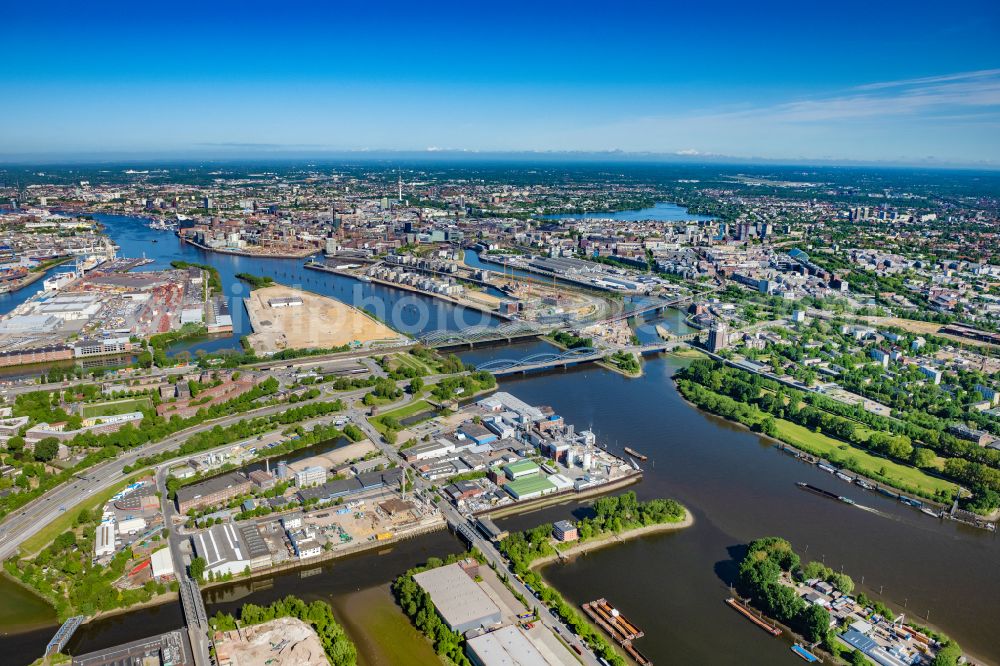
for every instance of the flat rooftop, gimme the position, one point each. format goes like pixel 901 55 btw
pixel 505 647
pixel 459 600
pixel 172 648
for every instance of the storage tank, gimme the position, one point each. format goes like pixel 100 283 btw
pixel 588 460
pixel 282 471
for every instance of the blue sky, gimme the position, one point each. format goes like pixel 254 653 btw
pixel 881 81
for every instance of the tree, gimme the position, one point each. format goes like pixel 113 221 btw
pixel 948 655
pixel 858 659
pixel 46 449
pixel 815 623
pixel 923 457
pixel 416 385
pixel 197 568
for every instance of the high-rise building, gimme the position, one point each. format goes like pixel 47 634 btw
pixel 718 336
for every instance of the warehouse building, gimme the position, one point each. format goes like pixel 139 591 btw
pixel 462 604
pixel 529 487
pixel 162 563
pixel 223 550
pixel 310 476
pixel 257 550
pixel 212 491
pixel 104 544
pixel 504 647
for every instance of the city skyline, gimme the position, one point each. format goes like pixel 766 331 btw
pixel 885 84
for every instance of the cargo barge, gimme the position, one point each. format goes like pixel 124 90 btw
pixel 621 630
pixel 745 612
pixel 823 493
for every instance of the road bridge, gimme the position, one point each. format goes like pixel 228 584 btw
pixel 655 307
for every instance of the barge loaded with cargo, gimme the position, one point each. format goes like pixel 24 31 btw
pixel 617 626
pixel 823 493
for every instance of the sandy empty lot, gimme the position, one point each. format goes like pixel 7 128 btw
pixel 319 322
pixel 282 642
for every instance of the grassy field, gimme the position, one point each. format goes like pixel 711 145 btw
pixel 400 413
pixel 818 444
pixel 405 360
pixel 64 521
pixel 115 407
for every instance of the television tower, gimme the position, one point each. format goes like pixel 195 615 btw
pixel 399 183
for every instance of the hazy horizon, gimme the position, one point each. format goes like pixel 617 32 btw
pixel 870 83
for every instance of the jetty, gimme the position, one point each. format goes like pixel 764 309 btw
pixel 748 614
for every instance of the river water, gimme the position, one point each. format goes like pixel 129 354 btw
pixel 737 485
pixel 660 212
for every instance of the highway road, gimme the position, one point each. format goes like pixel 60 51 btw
pixel 29 519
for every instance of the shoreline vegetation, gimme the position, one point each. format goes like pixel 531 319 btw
pixel 621 516
pixel 255 281
pixel 805 422
pixel 767 576
pixel 581 547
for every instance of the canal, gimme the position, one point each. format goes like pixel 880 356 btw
pixel 738 486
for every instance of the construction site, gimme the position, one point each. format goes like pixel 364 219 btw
pixel 285 641
pixel 285 318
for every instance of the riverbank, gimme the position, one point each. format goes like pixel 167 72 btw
pixel 560 498
pixel 465 303
pixel 325 556
pixel 32 277
pixel 900 478
pixel 296 254
pixel 614 538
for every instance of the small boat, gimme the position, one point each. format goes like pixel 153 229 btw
pixel 844 477
pixel 864 484
pixel 805 654
pixel 930 512
pixel 826 468
pixel 635 454
pixel 888 493
pixel 909 501
pixel 846 500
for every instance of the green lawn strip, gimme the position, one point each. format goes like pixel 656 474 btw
pixel 64 521
pixel 818 444
pixel 400 413
pixel 115 407
pixel 410 361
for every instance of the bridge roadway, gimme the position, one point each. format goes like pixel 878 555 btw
pixel 544 361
